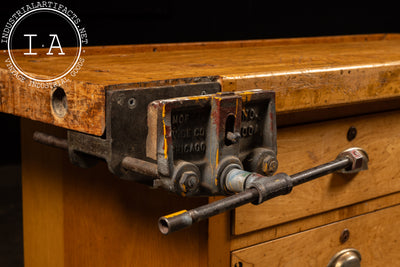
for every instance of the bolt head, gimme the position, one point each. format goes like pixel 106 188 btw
pixel 351 133
pixel 344 236
pixel 189 181
pixel 233 137
pixel 269 165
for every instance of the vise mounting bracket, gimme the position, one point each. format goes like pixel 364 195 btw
pixel 183 138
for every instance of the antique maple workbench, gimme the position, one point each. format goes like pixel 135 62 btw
pixel 324 87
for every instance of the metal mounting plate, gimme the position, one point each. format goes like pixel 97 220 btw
pixel 126 125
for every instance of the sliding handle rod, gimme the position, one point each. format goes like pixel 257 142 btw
pixel 321 170
pixel 261 188
pixel 182 219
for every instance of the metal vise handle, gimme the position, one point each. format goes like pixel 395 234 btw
pixel 261 188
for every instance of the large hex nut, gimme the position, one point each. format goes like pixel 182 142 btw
pixel 358 157
pixel 262 161
pixel 186 178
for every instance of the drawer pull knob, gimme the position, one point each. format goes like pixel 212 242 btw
pixel 346 258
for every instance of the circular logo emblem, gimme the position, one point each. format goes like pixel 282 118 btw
pixel 44 44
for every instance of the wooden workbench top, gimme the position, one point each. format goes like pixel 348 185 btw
pixel 306 73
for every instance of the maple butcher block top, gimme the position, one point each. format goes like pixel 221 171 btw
pixel 306 73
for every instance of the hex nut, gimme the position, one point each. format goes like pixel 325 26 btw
pixel 188 181
pixel 269 165
pixel 358 157
pixel 262 161
pixel 182 179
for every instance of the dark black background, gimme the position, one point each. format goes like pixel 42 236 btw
pixel 129 22
pixel 136 22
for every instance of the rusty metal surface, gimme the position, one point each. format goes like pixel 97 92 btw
pixel 140 166
pixel 126 129
pixel 212 132
pixel 184 144
pixel 50 140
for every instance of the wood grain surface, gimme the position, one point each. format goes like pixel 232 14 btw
pixel 306 74
pixel 88 217
pixel 42 198
pixel 373 235
pixel 310 222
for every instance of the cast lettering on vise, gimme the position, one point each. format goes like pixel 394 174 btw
pixel 249 122
pixel 187 139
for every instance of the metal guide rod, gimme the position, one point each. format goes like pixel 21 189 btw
pixel 264 188
pixel 140 166
pixel 128 163
pixel 50 140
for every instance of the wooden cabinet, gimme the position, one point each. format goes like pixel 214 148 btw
pixel 324 86
pixel 305 146
pixel 372 234
pixel 311 219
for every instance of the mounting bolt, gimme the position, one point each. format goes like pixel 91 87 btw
pixel 233 137
pixel 188 181
pixel 269 165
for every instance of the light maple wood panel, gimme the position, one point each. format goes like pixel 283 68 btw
pixel 219 238
pixel 305 146
pixel 42 200
pixel 315 73
pixel 111 222
pixel 373 234
pixel 88 217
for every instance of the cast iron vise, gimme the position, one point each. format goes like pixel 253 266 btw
pixel 194 140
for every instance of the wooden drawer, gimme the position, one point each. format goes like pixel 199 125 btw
pixel 305 146
pixel 374 235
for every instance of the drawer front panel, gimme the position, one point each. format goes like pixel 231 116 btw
pixel 375 235
pixel 305 146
